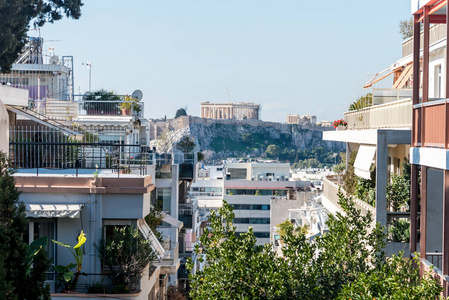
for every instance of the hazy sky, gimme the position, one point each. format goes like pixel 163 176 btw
pixel 290 56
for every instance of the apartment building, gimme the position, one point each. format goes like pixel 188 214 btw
pixel 380 131
pixel 429 151
pixel 253 188
pixel 97 150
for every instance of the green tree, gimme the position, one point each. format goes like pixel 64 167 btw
pixel 186 144
pixel 334 266
pixel 273 151
pixel 406 28
pixel 237 268
pixel 181 112
pixel 15 258
pixel 126 252
pixel 397 278
pixel 349 177
pixel 398 192
pixel 362 102
pixel 15 19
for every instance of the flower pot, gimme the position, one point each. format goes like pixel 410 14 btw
pixel 342 127
pixel 125 111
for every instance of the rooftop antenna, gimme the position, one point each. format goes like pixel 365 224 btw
pixel 229 94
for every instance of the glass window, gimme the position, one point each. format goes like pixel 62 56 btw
pixel 164 194
pixel 38 228
pixel 237 173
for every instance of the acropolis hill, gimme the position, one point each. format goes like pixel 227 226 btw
pixel 231 137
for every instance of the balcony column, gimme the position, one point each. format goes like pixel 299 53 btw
pixel 425 68
pixel 445 263
pixel 423 225
pixel 381 178
pixel 446 67
pixel 416 72
pixel 413 208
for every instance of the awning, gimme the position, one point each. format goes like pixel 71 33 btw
pixel 173 221
pixel 53 210
pixel 363 161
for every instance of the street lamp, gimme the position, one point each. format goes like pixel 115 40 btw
pixel 88 65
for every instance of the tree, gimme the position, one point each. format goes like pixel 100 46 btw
pixel 397 278
pixel 181 112
pixel 186 144
pixel 15 19
pixel 362 102
pixel 273 151
pixel 349 177
pixel 126 252
pixel 398 192
pixel 406 28
pixel 15 259
pixel 346 260
pixel 237 268
pixel 96 102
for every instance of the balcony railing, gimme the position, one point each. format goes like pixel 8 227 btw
pixel 330 191
pixel 119 158
pixel 68 110
pixel 396 114
pixel 429 128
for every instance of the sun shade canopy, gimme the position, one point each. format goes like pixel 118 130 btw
pixel 53 210
pixel 363 161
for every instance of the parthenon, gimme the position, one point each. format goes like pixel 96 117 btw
pixel 228 110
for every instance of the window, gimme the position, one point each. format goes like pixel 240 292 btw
pixel 164 194
pixel 237 173
pixel 250 206
pixel 38 228
pixel 252 221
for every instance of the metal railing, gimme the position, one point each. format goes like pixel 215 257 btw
pixel 71 155
pixel 435 258
pixel 205 194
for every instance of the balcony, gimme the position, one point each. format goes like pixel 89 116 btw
pixel 70 110
pixel 330 191
pixel 73 157
pixel 430 124
pixel 394 114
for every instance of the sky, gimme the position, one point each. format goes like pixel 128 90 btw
pixel 290 56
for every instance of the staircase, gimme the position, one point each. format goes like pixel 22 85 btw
pixel 42 119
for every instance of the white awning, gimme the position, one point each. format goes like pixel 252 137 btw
pixel 53 210
pixel 173 221
pixel 363 161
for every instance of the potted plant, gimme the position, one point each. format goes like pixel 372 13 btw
pixel 340 124
pixel 128 103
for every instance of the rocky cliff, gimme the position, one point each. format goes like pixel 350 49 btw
pixel 240 138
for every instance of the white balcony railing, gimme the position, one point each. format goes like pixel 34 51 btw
pixel 396 114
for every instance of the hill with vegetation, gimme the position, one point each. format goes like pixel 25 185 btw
pixel 302 145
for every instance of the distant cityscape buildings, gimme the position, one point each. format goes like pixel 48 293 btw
pixel 229 110
pixel 297 119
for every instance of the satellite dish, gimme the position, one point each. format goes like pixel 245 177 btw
pixel 137 94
